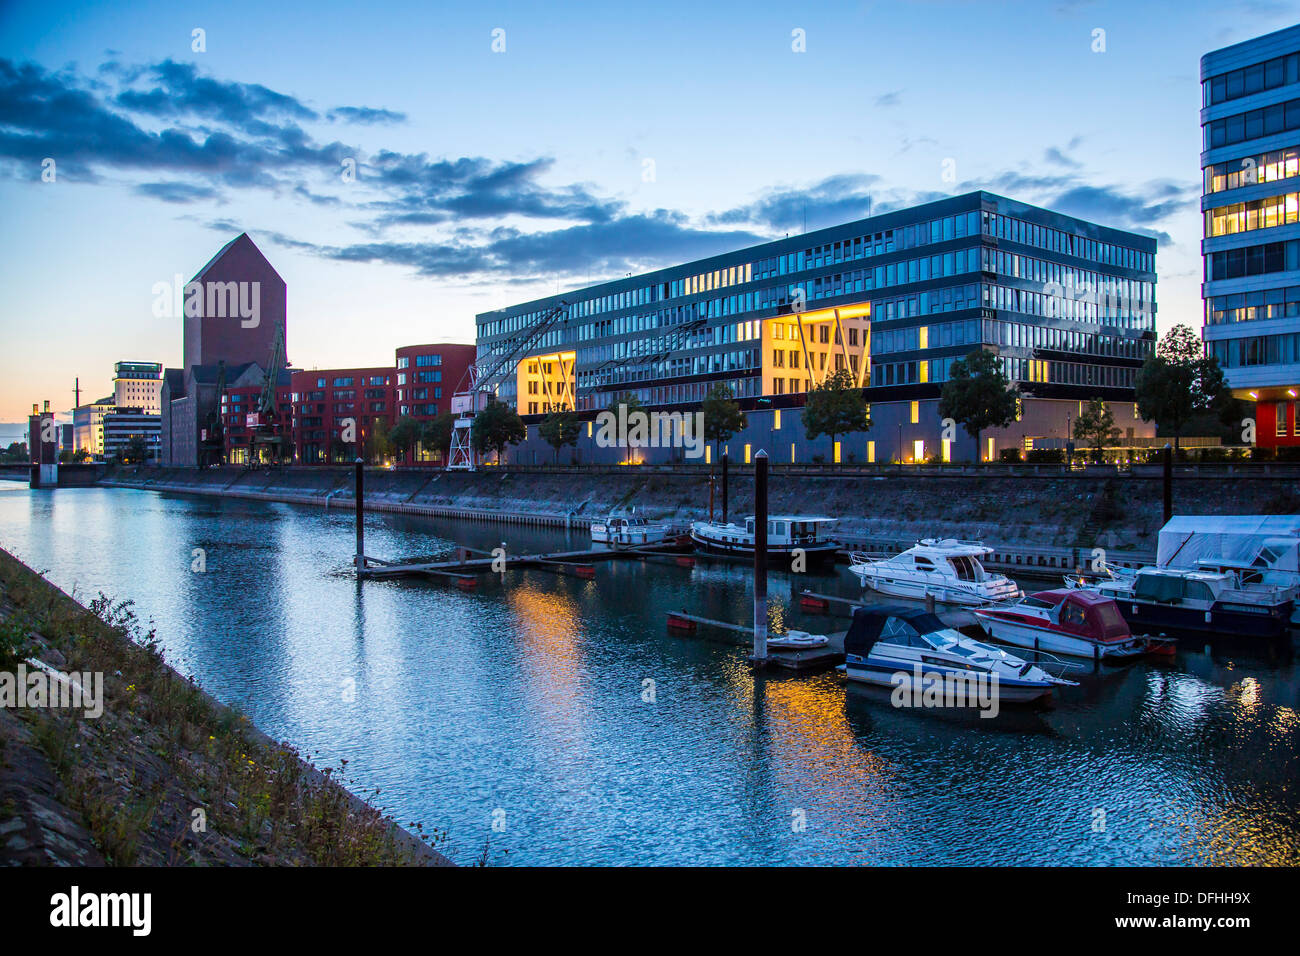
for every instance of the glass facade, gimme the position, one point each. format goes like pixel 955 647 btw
pixel 1251 206
pixel 1068 305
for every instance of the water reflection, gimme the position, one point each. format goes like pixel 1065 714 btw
pixel 526 698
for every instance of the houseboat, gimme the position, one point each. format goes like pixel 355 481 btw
pixel 785 535
pixel 945 569
pixel 629 531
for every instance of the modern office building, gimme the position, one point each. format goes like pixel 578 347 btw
pixel 122 426
pixel 1250 122
pixel 1066 304
pixel 138 385
pixel 88 426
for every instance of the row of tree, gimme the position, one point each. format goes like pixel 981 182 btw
pixel 1178 387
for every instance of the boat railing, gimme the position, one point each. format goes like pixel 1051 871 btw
pixel 1054 666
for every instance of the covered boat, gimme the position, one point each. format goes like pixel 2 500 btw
pixel 1066 621
pixel 896 646
pixel 628 531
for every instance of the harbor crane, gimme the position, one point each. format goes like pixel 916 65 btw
pixel 267 431
pixel 482 379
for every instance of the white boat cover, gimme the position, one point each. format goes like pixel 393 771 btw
pixel 1187 539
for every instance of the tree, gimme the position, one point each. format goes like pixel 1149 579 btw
pixel 495 427
pixel 377 446
pixel 436 434
pixel 404 434
pixel 136 451
pixel 836 407
pixel 559 428
pixel 978 395
pixel 722 415
pixel 1178 383
pixel 631 401
pixel 17 451
pixel 1096 426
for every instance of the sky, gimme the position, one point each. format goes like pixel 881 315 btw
pixel 504 151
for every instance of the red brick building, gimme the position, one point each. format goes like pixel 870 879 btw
pixel 332 406
pixel 427 377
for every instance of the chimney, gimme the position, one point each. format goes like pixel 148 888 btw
pixel 47 405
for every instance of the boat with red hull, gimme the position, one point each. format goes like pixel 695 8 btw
pixel 1067 621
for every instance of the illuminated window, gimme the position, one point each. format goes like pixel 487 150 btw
pixel 924 368
pixel 989 455
pixel 924 332
pixel 747 454
pixel 837 453
pixel 871 452
pixel 708 454
pixel 918 450
pixel 776 420
pixel 947 451
pixel 792 453
pixel 916 412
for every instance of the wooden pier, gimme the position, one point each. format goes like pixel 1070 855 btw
pixel 577 564
pixel 803 659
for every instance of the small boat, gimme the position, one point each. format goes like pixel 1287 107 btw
pixel 1065 621
pixel 797 641
pixel 786 534
pixel 1184 601
pixel 946 569
pixel 629 531
pixel 896 646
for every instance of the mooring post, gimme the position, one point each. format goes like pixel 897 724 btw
pixel 1169 483
pixel 360 494
pixel 711 483
pixel 760 556
pixel 724 485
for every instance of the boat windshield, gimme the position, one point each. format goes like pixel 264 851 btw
pixel 966 567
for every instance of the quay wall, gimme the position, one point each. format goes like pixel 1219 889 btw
pixel 1107 509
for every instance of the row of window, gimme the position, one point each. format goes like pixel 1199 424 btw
pixel 1252 306
pixel 1256 350
pixel 1267 167
pixel 1277 118
pixel 1253 260
pixel 1263 213
pixel 1279 71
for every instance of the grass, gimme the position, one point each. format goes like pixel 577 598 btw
pixel 168 775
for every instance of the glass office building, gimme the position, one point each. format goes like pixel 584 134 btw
pixel 1068 306
pixel 1250 121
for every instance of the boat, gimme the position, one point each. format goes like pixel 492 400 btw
pixel 897 646
pixel 946 569
pixel 785 535
pixel 797 641
pixel 1186 601
pixel 1067 621
pixel 629 531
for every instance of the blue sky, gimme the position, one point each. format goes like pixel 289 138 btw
pixel 485 178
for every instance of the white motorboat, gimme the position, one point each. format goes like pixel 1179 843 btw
pixel 910 648
pixel 946 569
pixel 629 531
pixel 785 535
pixel 797 641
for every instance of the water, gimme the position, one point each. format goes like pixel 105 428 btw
pixel 526 701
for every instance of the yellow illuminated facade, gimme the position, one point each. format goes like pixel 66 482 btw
pixel 802 349
pixel 545 383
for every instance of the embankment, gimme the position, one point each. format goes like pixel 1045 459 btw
pixel 163 774
pixel 1113 510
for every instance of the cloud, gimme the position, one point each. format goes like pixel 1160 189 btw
pixel 176 192
pixel 835 199
pixel 364 115
pixel 892 98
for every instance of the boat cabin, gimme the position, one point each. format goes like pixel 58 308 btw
pixel 792 529
pixel 1081 612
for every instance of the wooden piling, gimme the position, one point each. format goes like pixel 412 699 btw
pixel 760 553
pixel 360 495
